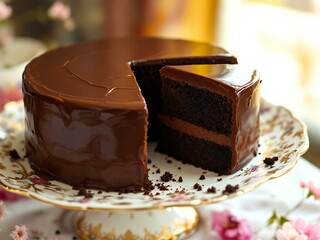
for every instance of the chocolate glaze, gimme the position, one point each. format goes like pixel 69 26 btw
pixel 86 119
pixel 237 82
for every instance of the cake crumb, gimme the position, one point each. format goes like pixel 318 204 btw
pixel 88 195
pixel 211 190
pixel 197 186
pixel 162 187
pixel 270 161
pixel 85 193
pixel 158 170
pixel 202 177
pixel 81 192
pixel 166 177
pixel 230 189
pixel 219 179
pixel 149 161
pixel 14 154
pixel 180 179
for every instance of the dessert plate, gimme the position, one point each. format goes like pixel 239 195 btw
pixel 283 137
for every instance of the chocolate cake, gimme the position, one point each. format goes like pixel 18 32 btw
pixel 210 115
pixel 90 106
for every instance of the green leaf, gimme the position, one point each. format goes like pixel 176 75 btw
pixel 309 194
pixel 273 218
pixel 282 220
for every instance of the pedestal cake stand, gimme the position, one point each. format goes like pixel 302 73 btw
pixel 167 212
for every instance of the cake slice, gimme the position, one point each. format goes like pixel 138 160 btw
pixel 210 115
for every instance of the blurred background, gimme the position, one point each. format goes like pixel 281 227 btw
pixel 280 37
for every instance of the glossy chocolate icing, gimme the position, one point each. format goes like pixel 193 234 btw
pixel 86 119
pixel 239 83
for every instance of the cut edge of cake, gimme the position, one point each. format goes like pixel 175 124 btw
pixel 230 139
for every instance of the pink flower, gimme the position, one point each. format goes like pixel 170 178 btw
pixel 288 232
pixel 8 196
pixel 303 184
pixel 59 10
pixel 312 188
pixel 20 233
pixel 229 227
pixel 312 231
pixel 298 229
pixel 5 11
pixel 2 210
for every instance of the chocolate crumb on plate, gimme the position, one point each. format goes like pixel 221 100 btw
pixel 211 190
pixel 85 193
pixel 197 186
pixel 180 179
pixel 82 192
pixel 270 161
pixel 230 189
pixel 202 177
pixel 219 179
pixel 88 195
pixel 162 187
pixel 158 170
pixel 149 161
pixel 14 154
pixel 166 177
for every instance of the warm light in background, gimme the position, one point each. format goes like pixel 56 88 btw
pixel 196 20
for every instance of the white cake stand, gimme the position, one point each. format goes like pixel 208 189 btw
pixel 163 214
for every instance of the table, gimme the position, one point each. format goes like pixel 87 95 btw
pixel 256 207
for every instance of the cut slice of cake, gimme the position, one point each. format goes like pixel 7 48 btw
pixel 210 115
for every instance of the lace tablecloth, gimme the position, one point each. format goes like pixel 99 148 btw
pixel 46 222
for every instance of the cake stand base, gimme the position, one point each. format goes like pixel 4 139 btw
pixel 166 223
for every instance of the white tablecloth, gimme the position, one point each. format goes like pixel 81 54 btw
pixel 280 194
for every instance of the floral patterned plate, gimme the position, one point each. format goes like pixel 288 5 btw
pixel 282 136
